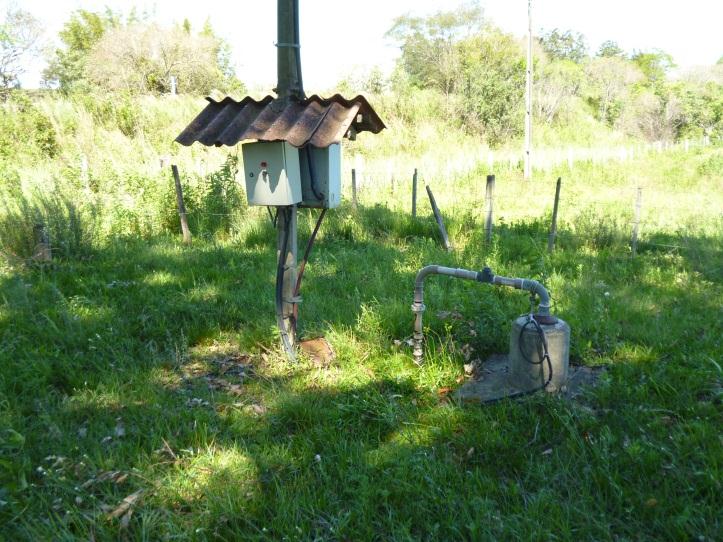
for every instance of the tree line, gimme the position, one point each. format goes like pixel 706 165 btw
pixel 455 67
pixel 478 74
pixel 107 51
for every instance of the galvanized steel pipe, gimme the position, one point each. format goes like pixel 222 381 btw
pixel 485 275
pixel 418 305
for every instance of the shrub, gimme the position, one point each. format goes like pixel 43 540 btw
pixel 712 166
pixel 220 197
pixel 213 202
pixel 23 124
pixel 598 230
pixel 215 199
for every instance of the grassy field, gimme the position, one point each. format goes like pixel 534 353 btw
pixel 143 370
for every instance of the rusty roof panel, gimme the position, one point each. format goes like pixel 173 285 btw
pixel 315 120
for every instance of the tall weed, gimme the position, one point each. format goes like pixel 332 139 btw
pixel 67 228
pixel 598 230
pixel 213 202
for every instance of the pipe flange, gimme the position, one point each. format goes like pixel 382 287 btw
pixel 418 307
pixel 546 319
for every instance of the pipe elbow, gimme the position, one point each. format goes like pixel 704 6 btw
pixel 423 273
pixel 530 285
pixel 535 287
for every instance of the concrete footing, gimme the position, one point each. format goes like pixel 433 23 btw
pixel 491 381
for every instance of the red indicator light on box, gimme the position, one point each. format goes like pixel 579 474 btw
pixel 264 165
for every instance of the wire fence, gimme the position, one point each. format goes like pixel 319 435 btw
pixel 624 220
pixel 644 213
pixel 484 193
pixel 633 212
pixel 435 167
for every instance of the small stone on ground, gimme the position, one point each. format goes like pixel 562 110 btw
pixel 319 350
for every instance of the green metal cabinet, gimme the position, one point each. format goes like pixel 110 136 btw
pixel 278 174
pixel 325 189
pixel 271 172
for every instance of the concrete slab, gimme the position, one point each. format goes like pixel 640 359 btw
pixel 490 381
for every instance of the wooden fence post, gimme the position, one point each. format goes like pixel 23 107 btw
pixel 353 189
pixel 553 226
pixel 489 200
pixel 390 174
pixel 414 194
pixel 42 251
pixel 438 218
pixel 181 207
pixel 636 221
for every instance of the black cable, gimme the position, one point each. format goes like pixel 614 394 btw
pixel 273 217
pixel 312 175
pixel 544 356
pixel 285 340
pixel 297 41
pixel 302 266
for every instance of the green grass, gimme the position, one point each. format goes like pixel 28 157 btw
pixel 116 361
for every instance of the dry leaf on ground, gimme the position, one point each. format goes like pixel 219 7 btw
pixel 126 504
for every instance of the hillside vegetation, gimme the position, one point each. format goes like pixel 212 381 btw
pixel 99 145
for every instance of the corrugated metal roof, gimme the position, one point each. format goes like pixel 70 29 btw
pixel 315 120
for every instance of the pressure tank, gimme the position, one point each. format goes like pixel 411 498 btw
pixel 526 373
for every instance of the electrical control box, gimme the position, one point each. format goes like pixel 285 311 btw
pixel 271 172
pixel 320 176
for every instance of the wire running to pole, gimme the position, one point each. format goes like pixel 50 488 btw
pixel 286 340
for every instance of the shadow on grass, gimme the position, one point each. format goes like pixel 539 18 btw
pixel 95 357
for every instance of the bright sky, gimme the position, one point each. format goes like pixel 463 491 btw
pixel 340 36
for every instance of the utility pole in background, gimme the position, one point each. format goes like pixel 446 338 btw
pixel 289 85
pixel 528 97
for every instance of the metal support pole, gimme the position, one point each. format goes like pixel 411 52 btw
pixel 528 96
pixel 553 226
pixel 290 271
pixel 414 194
pixel 489 199
pixel 288 67
pixel 289 85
